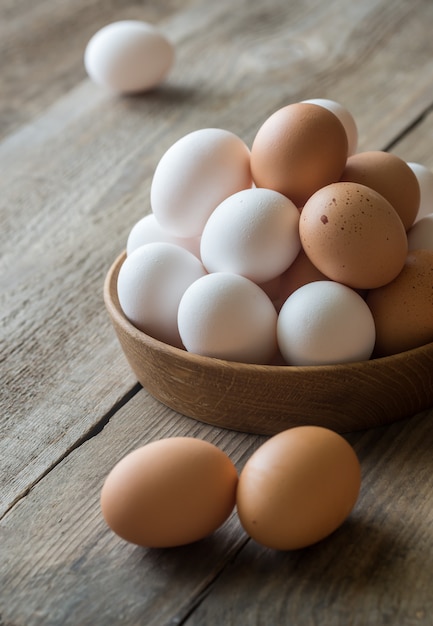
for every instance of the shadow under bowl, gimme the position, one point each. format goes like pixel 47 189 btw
pixel 266 399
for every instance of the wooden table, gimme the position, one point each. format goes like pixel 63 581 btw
pixel 76 165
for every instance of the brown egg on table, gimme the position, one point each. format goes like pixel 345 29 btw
pixel 298 487
pixel 403 309
pixel 390 176
pixel 299 149
pixel 353 235
pixel 169 492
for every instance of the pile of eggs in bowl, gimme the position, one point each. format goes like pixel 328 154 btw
pixel 299 250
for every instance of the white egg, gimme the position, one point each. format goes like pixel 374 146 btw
pixel 150 284
pixel 254 233
pixel 420 235
pixel 227 316
pixel 325 322
pixel 425 180
pixel 148 230
pixel 194 175
pixel 128 56
pixel 345 117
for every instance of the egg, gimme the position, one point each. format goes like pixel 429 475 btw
pixel 353 235
pixel 403 309
pixel 128 56
pixel 420 235
pixel 298 487
pixel 390 176
pixel 299 149
pixel 198 172
pixel 345 117
pixel 147 230
pixel 150 284
pixel 424 177
pixel 299 273
pixel 169 492
pixel 325 322
pixel 254 233
pixel 227 316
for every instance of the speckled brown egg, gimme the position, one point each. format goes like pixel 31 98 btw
pixel 298 149
pixel 390 176
pixel 353 235
pixel 403 309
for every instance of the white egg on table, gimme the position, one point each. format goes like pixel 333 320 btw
pixel 128 56
pixel 424 176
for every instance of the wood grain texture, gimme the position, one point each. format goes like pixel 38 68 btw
pixel 76 168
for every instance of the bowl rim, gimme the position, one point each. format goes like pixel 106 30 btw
pixel 112 304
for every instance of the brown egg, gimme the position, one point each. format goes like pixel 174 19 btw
pixel 169 492
pixel 298 487
pixel 403 309
pixel 299 273
pixel 299 149
pixel 388 175
pixel 353 235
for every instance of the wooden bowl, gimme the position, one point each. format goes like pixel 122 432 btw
pixel 266 399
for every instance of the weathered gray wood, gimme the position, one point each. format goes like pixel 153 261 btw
pixel 76 165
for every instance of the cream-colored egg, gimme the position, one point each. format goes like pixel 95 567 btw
pixel 169 492
pixel 195 175
pixel 345 117
pixel 227 316
pixel 323 323
pixel 128 56
pixel 254 233
pixel 150 284
pixel 148 230
pixel 424 176
pixel 420 236
pixel 298 487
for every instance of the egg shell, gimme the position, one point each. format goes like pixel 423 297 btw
pixel 148 230
pixel 299 149
pixel 420 235
pixel 424 176
pixel 254 233
pixel 325 322
pixel 298 487
pixel 169 492
pixel 390 176
pixel 227 316
pixel 299 273
pixel 345 117
pixel 195 175
pixel 150 284
pixel 353 235
pixel 128 56
pixel 403 309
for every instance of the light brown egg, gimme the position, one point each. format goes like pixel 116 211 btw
pixel 403 309
pixel 298 487
pixel 298 149
pixel 169 492
pixel 353 235
pixel 299 273
pixel 390 176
